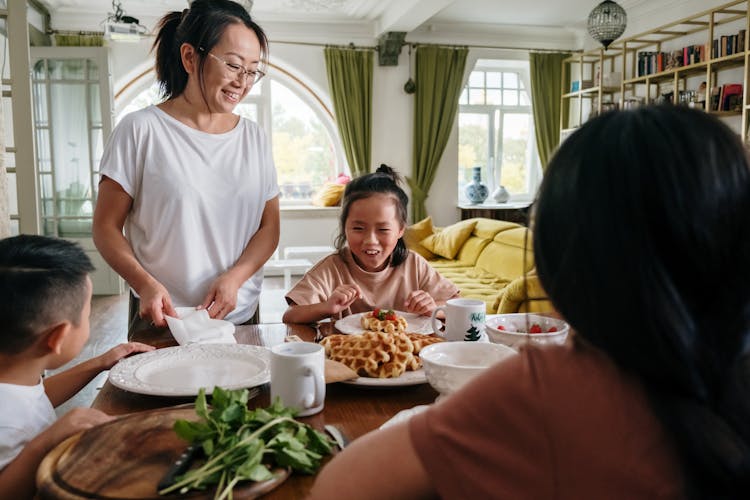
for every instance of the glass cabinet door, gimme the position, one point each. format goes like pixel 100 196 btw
pixel 72 106
pixel 68 126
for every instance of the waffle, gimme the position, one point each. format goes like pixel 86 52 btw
pixel 373 354
pixel 421 341
pixel 370 323
pixel 402 358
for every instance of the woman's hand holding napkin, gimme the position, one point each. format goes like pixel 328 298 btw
pixel 194 326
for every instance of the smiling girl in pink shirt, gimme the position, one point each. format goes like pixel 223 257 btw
pixel 372 267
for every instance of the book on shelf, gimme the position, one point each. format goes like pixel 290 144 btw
pixel 727 97
pixel 731 99
pixel 726 45
pixel 650 62
pixel 715 98
pixel 673 59
pixel 577 85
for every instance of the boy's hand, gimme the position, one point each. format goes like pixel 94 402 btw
pixel 420 302
pixel 342 297
pixel 77 419
pixel 109 358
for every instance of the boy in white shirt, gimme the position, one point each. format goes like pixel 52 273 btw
pixel 45 301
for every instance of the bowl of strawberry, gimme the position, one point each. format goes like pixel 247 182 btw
pixel 516 329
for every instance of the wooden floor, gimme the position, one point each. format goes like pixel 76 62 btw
pixel 109 328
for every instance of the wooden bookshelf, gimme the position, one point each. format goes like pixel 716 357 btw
pixel 652 66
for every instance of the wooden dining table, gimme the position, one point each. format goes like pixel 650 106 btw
pixel 354 409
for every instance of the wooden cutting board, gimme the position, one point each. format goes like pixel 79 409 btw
pixel 125 459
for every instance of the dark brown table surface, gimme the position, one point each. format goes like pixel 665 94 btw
pixel 356 410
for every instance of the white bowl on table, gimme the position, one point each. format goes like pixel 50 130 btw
pixel 450 365
pixel 511 329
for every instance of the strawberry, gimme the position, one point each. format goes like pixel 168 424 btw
pixel 535 328
pixel 500 327
pixel 551 329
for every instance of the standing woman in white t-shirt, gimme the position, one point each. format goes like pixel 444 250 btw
pixel 192 184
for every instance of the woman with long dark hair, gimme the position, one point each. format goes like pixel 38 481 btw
pixel 641 240
pixel 192 183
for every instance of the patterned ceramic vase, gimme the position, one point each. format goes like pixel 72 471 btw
pixel 476 192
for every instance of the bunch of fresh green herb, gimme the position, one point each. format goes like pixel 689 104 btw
pixel 243 445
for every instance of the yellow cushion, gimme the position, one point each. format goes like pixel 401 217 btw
pixel 524 294
pixel 447 242
pixel 509 254
pixel 416 233
pixel 489 228
pixel 471 249
pixel 329 195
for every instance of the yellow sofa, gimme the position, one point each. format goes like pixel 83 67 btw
pixel 490 260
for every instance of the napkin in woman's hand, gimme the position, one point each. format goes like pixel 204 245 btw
pixel 195 326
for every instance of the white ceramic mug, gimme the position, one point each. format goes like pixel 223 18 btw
pixel 464 319
pixel 297 376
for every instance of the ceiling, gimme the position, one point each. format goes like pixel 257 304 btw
pixel 370 17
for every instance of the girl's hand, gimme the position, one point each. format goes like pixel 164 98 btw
pixel 155 303
pixel 221 298
pixel 342 297
pixel 420 302
pixel 109 358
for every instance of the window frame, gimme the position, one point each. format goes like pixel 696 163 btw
pixel 495 114
pixel 313 101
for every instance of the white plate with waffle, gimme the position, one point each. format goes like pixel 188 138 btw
pixel 381 359
pixel 352 324
pixel 408 378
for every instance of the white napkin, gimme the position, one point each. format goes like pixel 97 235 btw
pixel 194 326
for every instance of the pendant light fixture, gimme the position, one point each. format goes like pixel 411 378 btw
pixel 607 22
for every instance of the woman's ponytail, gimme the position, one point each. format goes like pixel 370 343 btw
pixel 170 73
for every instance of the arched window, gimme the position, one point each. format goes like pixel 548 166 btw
pixel 306 148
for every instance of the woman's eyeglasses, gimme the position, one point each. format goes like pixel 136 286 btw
pixel 239 71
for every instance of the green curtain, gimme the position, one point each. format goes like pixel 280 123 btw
pixel 439 73
pixel 83 40
pixel 350 80
pixel 546 91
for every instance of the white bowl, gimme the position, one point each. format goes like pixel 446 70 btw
pixel 514 335
pixel 450 365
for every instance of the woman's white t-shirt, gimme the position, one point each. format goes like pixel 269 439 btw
pixel 198 199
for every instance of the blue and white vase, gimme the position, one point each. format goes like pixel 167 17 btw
pixel 476 192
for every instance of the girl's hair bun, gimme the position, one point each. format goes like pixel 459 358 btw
pixel 386 170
